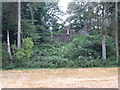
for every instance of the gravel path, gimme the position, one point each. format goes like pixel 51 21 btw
pixel 60 78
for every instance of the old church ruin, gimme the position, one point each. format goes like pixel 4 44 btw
pixel 67 36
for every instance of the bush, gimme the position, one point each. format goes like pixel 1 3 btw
pixel 111 61
pixel 80 46
pixel 83 51
pixel 21 56
pixel 5 56
pixel 92 62
pixel 50 62
pixel 96 44
pixel 87 46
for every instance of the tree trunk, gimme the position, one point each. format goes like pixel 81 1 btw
pixel 8 45
pixel 68 31
pixel 51 33
pixel 19 25
pixel 103 44
pixel 103 34
pixel 31 13
pixel 116 31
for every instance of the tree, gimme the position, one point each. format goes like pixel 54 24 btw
pixel 103 31
pixel 28 22
pixel 31 12
pixel 52 17
pixel 119 26
pixel 95 16
pixel 9 25
pixel 9 21
pixel 116 30
pixel 82 15
pixel 19 25
pixel 8 45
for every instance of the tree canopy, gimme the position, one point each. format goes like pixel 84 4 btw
pixel 87 38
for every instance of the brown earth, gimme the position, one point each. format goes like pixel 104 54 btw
pixel 60 78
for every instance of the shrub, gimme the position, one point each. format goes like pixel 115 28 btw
pixel 111 61
pixel 87 46
pixel 50 62
pixel 80 46
pixel 22 55
pixel 5 56
pixel 96 44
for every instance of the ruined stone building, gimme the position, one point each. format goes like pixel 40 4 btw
pixel 67 36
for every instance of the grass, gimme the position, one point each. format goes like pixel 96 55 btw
pixel 60 68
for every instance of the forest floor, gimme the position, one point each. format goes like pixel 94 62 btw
pixel 60 78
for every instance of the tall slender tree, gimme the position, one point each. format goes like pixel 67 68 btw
pixel 8 45
pixel 116 30
pixel 31 13
pixel 103 30
pixel 19 25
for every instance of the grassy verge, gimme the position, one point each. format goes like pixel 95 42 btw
pixel 62 68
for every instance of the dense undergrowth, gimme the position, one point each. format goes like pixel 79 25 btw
pixel 81 52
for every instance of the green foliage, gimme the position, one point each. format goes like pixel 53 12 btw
pixel 38 18
pixel 5 55
pixel 50 62
pixel 26 51
pixel 29 30
pixel 92 62
pixel 48 56
pixel 87 46
pixel 0 55
pixel 97 43
pixel 83 51
pixel 61 31
pixel 9 20
pixel 80 46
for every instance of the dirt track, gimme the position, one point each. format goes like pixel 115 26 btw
pixel 60 78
